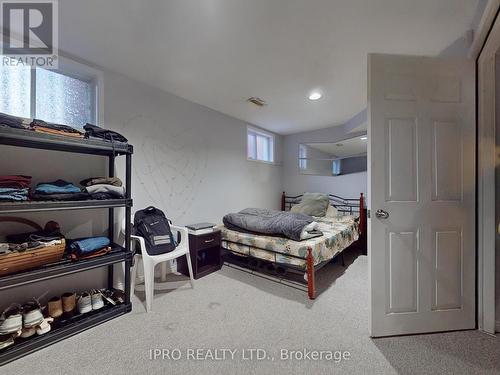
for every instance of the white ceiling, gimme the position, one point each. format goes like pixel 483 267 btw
pixel 218 53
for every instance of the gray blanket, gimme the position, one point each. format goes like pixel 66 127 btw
pixel 270 222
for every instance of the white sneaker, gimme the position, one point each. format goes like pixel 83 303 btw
pixel 97 302
pixel 32 314
pixel 12 320
pixel 84 303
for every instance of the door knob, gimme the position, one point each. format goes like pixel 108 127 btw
pixel 381 214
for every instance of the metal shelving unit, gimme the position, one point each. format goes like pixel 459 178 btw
pixel 30 139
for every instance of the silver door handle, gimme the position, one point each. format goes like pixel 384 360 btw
pixel 208 241
pixel 381 214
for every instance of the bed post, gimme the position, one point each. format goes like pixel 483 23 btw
pixel 362 224
pixel 283 201
pixel 311 287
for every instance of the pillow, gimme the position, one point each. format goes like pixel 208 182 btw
pixel 331 212
pixel 312 204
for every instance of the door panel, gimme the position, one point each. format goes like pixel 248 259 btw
pixel 447 161
pixel 402 160
pixel 448 270
pixel 403 247
pixel 421 168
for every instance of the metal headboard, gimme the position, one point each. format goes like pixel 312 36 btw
pixel 345 206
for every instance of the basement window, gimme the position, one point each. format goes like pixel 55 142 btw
pixel 53 96
pixel 260 145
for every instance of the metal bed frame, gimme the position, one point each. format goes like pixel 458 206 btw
pixel 292 275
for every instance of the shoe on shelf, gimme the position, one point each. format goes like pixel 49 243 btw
pixel 28 332
pixel 119 296
pixel 32 314
pixel 68 302
pixel 44 326
pixel 84 303
pixel 55 307
pixel 97 302
pixel 6 341
pixel 11 319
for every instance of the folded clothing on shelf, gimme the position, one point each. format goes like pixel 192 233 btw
pixel 111 190
pixel 15 181
pixel 56 187
pixel 89 245
pixel 14 121
pixel 81 196
pixel 14 188
pixel 12 194
pixel 115 181
pixel 41 126
pixel 94 131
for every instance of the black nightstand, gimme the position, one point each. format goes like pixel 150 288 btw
pixel 205 252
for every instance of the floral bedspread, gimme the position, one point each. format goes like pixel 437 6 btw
pixel 338 234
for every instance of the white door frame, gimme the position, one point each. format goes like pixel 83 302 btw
pixel 489 36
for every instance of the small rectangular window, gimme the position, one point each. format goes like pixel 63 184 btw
pixel 260 145
pixel 63 99
pixel 302 156
pixel 47 95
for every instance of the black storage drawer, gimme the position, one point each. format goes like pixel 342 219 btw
pixel 205 241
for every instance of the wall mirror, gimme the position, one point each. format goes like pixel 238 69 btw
pixel 335 158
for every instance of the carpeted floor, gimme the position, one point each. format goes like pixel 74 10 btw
pixel 234 310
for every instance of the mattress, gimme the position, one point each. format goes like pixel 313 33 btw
pixel 338 234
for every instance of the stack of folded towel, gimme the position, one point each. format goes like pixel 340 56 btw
pixel 56 129
pixel 59 190
pixel 88 247
pixel 14 188
pixel 104 187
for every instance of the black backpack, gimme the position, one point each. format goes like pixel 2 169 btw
pixel 151 224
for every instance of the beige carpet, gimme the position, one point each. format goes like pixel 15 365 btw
pixel 237 311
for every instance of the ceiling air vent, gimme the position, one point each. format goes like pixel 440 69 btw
pixel 257 101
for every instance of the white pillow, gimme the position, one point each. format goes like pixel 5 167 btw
pixel 331 211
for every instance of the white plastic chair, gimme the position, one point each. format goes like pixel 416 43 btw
pixel 150 261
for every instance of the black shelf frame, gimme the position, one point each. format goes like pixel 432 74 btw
pixel 31 139
pixel 65 267
pixel 38 206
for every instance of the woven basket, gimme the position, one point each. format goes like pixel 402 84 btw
pixel 29 259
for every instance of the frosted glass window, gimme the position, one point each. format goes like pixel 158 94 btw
pixel 260 146
pixel 302 157
pixel 62 99
pixel 251 147
pixel 15 91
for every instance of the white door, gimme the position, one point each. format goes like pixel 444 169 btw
pixel 422 179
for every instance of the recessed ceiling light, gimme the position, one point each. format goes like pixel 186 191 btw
pixel 364 138
pixel 315 95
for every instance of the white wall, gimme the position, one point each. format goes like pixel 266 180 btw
pixel 189 161
pixel 346 186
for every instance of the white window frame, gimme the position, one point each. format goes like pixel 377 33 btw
pixel 272 141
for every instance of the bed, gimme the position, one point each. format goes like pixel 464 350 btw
pixel 295 262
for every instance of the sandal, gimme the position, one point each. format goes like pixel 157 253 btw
pixel 44 327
